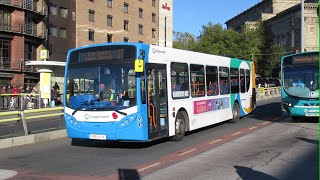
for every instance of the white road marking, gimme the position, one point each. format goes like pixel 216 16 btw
pixel 181 154
pixel 151 166
pixel 6 174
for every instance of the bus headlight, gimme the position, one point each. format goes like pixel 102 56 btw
pixel 287 104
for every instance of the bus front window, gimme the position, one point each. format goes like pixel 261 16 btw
pixel 101 87
pixel 301 80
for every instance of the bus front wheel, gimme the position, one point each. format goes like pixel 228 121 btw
pixel 235 113
pixel 180 127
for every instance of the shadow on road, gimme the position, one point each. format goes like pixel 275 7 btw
pixel 115 144
pixel 267 112
pixel 250 174
pixel 128 174
pixel 312 141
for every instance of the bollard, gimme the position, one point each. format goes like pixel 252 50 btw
pixel 21 126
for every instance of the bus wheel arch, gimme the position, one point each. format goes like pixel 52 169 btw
pixel 181 125
pixel 235 112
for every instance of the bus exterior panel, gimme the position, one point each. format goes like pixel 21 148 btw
pixel 202 118
pixel 156 104
pixel 299 84
pixel 129 124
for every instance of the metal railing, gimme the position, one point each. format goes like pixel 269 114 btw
pixel 27 5
pixel 25 68
pixel 30 29
pixel 5 63
pixel 267 92
pixel 20 101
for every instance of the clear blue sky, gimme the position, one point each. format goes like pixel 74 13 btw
pixel 190 15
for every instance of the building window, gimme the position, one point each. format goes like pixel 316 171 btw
pixel 109 20
pixel 53 9
pixel 153 32
pixel 109 3
pixel 91 35
pixel 153 3
pixel 140 29
pixel 109 38
pixel 126 39
pixel 126 25
pixel 5 54
pixel 53 31
pixel 63 33
pixel 91 15
pixel 5 20
pixel 153 17
pixel 126 8
pixel 63 12
pixel 73 15
pixel 140 12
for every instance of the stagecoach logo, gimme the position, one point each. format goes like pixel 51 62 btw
pixel 154 50
pixel 311 110
pixel 87 116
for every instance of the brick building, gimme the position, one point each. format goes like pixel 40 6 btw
pixel 284 18
pixel 23 33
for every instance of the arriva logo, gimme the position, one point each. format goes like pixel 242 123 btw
pixel 311 110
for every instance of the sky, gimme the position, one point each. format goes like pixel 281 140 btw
pixel 190 15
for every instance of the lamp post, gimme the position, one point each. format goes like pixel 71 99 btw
pixel 302 25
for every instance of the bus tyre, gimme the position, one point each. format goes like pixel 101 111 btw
pixel 235 113
pixel 180 127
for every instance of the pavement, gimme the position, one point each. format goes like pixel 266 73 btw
pixel 283 150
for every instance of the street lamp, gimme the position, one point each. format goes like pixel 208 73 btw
pixel 302 25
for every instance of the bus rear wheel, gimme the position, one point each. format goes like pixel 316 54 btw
pixel 180 127
pixel 235 113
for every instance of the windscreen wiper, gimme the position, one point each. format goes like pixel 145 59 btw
pixel 81 105
pixel 120 112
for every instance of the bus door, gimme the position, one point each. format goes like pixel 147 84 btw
pixel 157 99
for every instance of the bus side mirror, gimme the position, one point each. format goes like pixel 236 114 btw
pixel 138 65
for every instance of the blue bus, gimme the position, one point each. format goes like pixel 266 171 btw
pixel 300 84
pixel 141 92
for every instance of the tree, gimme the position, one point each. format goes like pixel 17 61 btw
pixel 184 40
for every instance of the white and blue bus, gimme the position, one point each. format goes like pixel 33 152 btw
pixel 140 92
pixel 300 85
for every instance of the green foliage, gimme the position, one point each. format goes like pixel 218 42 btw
pixel 251 44
pixel 184 41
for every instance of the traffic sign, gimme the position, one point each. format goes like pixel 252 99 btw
pixel 44 54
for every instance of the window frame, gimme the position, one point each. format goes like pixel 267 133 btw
pixel 91 33
pixel 109 20
pixel 234 75
pixel 185 78
pixel 210 86
pixel 91 15
pixel 227 80
pixel 200 85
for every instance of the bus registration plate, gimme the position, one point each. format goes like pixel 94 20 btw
pixel 98 136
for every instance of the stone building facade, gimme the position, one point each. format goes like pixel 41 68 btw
pixel 100 21
pixel 284 18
